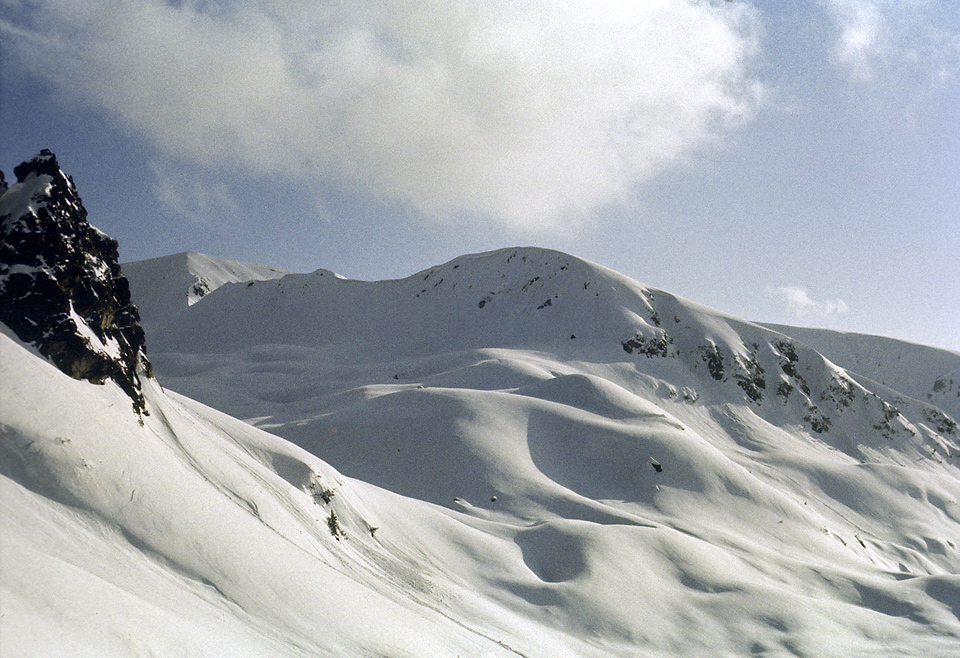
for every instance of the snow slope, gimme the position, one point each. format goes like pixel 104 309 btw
pixel 581 465
pixel 194 534
pixel 921 372
pixel 516 453
pixel 172 283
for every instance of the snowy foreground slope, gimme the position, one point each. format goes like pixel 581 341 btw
pixel 194 534
pixel 560 461
pixel 517 453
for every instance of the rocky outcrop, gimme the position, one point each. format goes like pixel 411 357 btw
pixel 60 283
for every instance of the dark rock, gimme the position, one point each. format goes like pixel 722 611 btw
pixel 60 283
pixel 943 423
pixel 749 376
pixel 713 357
pixel 818 422
pixel 659 345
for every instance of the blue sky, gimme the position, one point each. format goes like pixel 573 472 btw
pixel 795 164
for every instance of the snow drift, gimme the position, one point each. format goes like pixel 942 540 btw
pixel 517 453
pixel 669 479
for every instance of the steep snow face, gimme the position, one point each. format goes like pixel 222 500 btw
pixel 643 475
pixel 60 285
pixel 168 285
pixel 917 371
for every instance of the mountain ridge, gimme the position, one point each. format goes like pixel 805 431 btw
pixel 174 282
pixel 531 298
pixel 515 453
pixel 922 372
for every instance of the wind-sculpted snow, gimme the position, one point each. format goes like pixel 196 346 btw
pixel 516 453
pixel 204 536
pixel 616 472
pixel 596 316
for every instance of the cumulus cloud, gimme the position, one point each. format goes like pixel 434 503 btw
pixel 798 302
pixel 532 113
pixel 891 37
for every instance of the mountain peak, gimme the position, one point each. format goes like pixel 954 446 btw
pixel 44 163
pixel 526 301
pixel 169 285
pixel 61 289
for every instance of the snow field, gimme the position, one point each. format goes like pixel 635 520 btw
pixel 466 469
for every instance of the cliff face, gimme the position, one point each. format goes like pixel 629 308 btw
pixel 60 283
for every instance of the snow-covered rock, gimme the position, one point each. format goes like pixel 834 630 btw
pixel 61 289
pixel 917 371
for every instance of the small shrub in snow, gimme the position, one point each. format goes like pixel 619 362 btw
pixel 319 491
pixel 818 422
pixel 334 524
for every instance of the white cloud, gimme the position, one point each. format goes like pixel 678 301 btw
pixel 532 113
pixel 919 38
pixel 858 42
pixel 798 303
pixel 186 193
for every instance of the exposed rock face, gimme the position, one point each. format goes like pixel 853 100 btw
pixel 60 283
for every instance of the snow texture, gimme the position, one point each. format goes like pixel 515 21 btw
pixel 517 453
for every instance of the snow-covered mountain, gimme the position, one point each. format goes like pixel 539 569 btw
pixel 526 302
pixel 918 371
pixel 574 411
pixel 170 284
pixel 517 453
